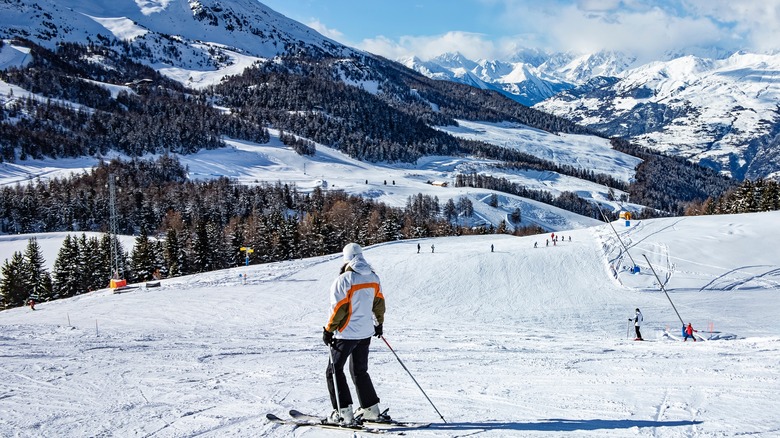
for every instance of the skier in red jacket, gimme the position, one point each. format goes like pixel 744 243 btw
pixel 689 332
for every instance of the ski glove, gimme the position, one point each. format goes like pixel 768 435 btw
pixel 327 337
pixel 378 331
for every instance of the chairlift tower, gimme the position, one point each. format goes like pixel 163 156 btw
pixel 114 227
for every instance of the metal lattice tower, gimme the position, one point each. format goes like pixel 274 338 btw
pixel 114 227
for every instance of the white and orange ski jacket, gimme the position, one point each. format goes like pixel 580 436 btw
pixel 356 302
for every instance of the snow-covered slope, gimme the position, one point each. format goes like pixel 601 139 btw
pixel 518 342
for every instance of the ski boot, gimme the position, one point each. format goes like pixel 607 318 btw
pixel 342 417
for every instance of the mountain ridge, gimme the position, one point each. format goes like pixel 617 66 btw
pixel 677 105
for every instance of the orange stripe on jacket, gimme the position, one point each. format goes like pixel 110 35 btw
pixel 348 302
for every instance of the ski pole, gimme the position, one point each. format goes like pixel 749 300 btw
pixel 335 381
pixel 415 380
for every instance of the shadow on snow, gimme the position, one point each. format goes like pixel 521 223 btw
pixel 556 424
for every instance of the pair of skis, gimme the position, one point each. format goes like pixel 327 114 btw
pixel 300 419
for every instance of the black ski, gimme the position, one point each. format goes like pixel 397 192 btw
pixel 305 423
pixel 383 424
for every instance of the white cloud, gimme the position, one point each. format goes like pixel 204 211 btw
pixel 472 45
pixel 646 33
pixel 645 28
pixel 326 31
pixel 756 24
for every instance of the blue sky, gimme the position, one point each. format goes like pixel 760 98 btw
pixel 496 28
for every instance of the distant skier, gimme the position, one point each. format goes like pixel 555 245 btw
pixel 31 303
pixel 637 323
pixel 432 248
pixel 418 248
pixel 491 247
pixel 534 244
pixel 688 332
pixel 357 311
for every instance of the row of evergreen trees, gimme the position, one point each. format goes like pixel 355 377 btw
pixel 24 275
pixel 666 185
pixel 188 227
pixel 566 200
pixel 748 197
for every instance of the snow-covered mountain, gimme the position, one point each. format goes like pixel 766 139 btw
pixel 199 42
pixel 196 35
pixel 722 113
pixel 521 81
pixel 529 77
pixel 519 342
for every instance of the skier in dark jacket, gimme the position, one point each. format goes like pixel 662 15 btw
pixel 637 323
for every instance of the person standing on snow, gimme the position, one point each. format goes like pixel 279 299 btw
pixel 689 333
pixel 637 322
pixel 357 311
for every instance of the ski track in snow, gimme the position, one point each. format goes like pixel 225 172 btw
pixel 518 342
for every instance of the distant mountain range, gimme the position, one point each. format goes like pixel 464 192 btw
pixel 721 112
pixel 181 75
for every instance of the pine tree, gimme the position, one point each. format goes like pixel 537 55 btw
pixel 67 272
pixel 13 290
pixel 219 255
pixel 36 278
pixel 95 270
pixel 172 253
pixel 201 257
pixel 160 266
pixel 142 258
pixel 450 211
pixel 236 241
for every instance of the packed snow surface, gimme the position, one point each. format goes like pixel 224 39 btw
pixel 522 341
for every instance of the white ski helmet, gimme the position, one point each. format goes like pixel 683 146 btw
pixel 351 250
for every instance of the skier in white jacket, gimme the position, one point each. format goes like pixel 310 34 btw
pixel 357 311
pixel 637 323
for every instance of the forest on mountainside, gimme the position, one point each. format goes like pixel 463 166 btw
pixel 185 227
pixel 153 114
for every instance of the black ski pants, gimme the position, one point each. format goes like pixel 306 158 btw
pixel 638 335
pixel 357 349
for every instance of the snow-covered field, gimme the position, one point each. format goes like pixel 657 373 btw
pixel 522 341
